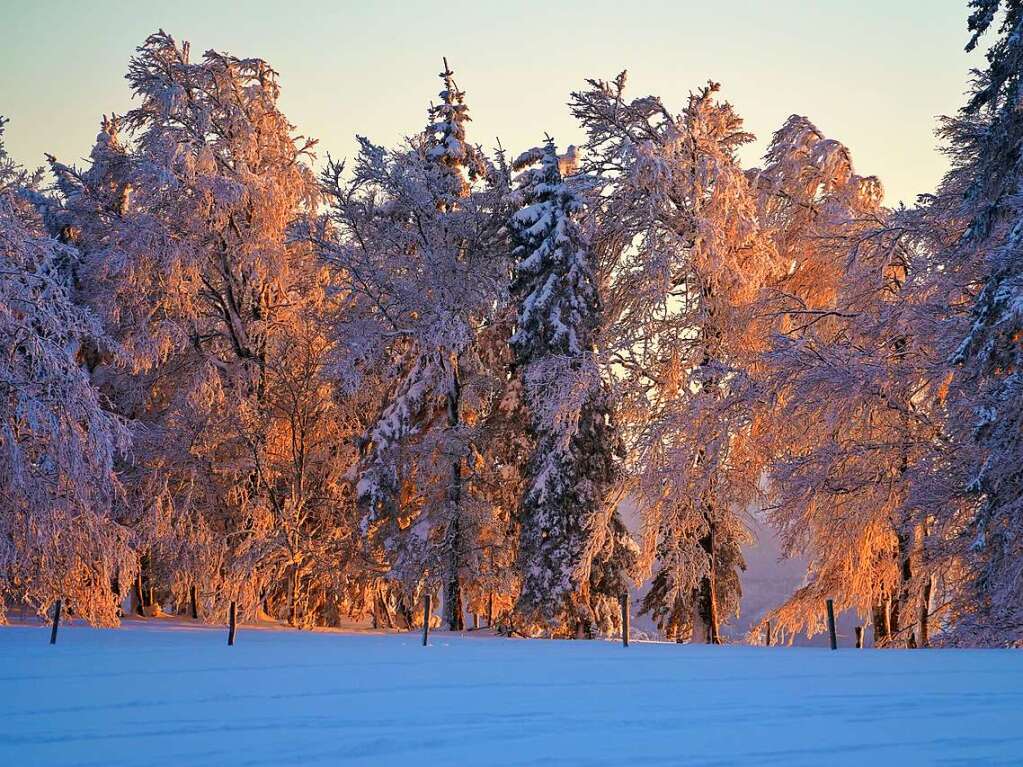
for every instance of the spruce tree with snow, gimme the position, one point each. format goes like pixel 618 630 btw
pixel 982 190
pixel 573 550
pixel 414 236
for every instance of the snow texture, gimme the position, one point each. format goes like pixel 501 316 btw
pixel 154 696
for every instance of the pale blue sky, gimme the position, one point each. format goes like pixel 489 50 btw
pixel 873 73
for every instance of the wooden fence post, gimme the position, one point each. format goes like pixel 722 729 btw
pixel 232 625
pixel 56 623
pixel 426 619
pixel 625 619
pixel 859 637
pixel 831 624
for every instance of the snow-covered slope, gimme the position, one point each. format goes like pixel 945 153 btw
pixel 153 695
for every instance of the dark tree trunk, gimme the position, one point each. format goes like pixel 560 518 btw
pixel 922 629
pixel 882 623
pixel 406 613
pixel 832 632
pixel 625 619
pixel 426 619
pixel 148 582
pixel 452 586
pixel 293 582
pixel 584 629
pixel 382 601
pixel 193 599
pixel 115 589
pixel 900 608
pixel 140 598
pixel 708 603
pixel 232 624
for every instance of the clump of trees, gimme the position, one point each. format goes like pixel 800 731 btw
pixel 437 370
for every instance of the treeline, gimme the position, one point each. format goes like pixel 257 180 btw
pixel 441 369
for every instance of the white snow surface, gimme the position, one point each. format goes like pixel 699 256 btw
pixel 152 694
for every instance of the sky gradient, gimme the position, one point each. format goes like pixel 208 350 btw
pixel 874 73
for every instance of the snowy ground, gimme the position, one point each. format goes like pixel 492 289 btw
pixel 155 695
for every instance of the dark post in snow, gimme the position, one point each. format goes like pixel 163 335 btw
pixel 426 619
pixel 625 619
pixel 859 637
pixel 490 611
pixel 56 623
pixel 193 597
pixel 831 625
pixel 767 638
pixel 232 624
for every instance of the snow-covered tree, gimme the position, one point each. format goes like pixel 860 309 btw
pixel 847 380
pixel 218 312
pixel 574 553
pixel 982 191
pixel 59 538
pixel 452 376
pixel 682 258
pixel 414 238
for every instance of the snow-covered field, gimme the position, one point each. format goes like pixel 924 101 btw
pixel 156 695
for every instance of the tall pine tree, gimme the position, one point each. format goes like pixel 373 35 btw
pixel 985 141
pixel 415 239
pixel 573 547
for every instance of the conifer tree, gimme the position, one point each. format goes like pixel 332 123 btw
pixel 572 547
pixel 415 239
pixel 985 142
